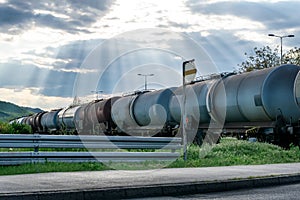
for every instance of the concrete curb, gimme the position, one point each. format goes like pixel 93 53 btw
pixel 157 190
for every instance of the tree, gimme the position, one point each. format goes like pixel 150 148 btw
pixel 265 57
pixel 292 56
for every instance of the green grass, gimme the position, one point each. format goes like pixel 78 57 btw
pixel 229 152
pixel 51 167
pixel 236 152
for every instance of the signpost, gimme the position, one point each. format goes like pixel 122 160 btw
pixel 189 72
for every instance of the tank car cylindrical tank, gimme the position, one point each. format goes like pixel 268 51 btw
pixel 122 115
pixel 30 121
pixel 144 114
pixel 35 121
pixel 256 96
pixel 21 120
pixel 95 116
pixel 297 89
pixel 79 119
pixel 195 102
pixel 152 108
pixel 90 116
pixel 49 121
pixel 66 118
pixel 103 109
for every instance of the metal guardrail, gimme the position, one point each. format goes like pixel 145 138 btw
pixel 99 145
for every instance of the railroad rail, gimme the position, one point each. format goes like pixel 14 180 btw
pixel 85 148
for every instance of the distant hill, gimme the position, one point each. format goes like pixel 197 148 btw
pixel 10 111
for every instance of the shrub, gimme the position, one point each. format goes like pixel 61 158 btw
pixel 14 128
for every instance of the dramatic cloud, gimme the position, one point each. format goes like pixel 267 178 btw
pixel 44 45
pixel 71 16
pixel 53 71
pixel 272 14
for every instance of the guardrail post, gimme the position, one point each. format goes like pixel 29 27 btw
pixel 34 157
pixel 36 142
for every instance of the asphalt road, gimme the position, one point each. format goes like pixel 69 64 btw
pixel 120 184
pixel 286 192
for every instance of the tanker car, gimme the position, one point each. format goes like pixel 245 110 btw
pixel 264 104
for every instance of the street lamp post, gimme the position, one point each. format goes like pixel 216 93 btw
pixel 146 75
pixel 281 37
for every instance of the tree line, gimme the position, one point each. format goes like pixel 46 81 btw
pixel 14 128
pixel 266 57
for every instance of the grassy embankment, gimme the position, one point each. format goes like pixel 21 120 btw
pixel 228 152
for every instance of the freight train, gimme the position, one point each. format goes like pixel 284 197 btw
pixel 263 104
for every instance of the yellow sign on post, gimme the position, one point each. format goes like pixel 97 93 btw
pixel 189 71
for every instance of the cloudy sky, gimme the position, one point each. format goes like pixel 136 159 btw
pixel 52 51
